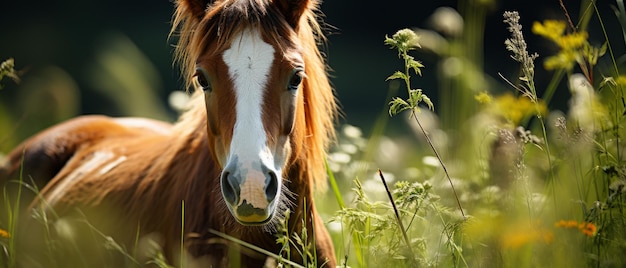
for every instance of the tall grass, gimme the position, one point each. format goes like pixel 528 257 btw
pixel 541 187
pixel 506 180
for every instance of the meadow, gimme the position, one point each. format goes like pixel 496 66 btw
pixel 489 174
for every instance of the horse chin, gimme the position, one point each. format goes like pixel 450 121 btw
pixel 260 223
pixel 260 217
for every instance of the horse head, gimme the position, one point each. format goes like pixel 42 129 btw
pixel 250 63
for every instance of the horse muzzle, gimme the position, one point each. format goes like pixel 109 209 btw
pixel 250 191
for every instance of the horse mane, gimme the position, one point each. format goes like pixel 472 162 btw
pixel 196 27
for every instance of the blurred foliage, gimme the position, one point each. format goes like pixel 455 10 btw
pixel 536 154
pixel 126 82
pixel 125 75
pixel 7 69
pixel 542 187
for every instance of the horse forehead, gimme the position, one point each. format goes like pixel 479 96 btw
pixel 249 58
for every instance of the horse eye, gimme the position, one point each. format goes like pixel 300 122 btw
pixel 296 79
pixel 202 79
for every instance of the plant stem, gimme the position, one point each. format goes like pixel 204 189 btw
pixel 445 170
pixel 253 247
pixel 334 186
pixel 395 209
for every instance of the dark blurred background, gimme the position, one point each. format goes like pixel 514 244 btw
pixel 94 56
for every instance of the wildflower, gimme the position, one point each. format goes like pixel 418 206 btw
pixel 566 224
pixel 526 234
pixel 526 136
pixel 551 29
pixel 515 109
pixel 405 39
pixel 572 41
pixel 483 98
pixel 587 228
pixel 517 45
pixel 563 60
pixel 573 47
pixel 517 240
pixel 4 233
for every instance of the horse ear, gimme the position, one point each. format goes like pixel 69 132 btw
pixel 293 9
pixel 196 7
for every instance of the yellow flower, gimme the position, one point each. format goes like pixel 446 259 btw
pixel 573 46
pixel 563 60
pixel 569 54
pixel 515 109
pixel 4 233
pixel 551 29
pixel 572 41
pixel 483 98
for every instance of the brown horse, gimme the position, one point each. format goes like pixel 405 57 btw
pixel 250 145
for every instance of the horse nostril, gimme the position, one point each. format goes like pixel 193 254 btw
pixel 229 188
pixel 271 186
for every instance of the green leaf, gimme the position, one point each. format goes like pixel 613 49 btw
pixel 603 49
pixel 428 102
pixel 391 42
pixel 406 39
pixel 397 105
pixel 397 75
pixel 416 66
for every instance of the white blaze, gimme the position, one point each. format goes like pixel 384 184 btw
pixel 249 60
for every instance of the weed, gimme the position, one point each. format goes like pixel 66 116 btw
pixel 539 187
pixel 552 185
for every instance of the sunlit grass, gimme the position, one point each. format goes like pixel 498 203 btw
pixel 548 191
pixel 526 185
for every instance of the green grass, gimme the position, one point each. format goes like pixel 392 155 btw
pixel 541 188
pixel 494 177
